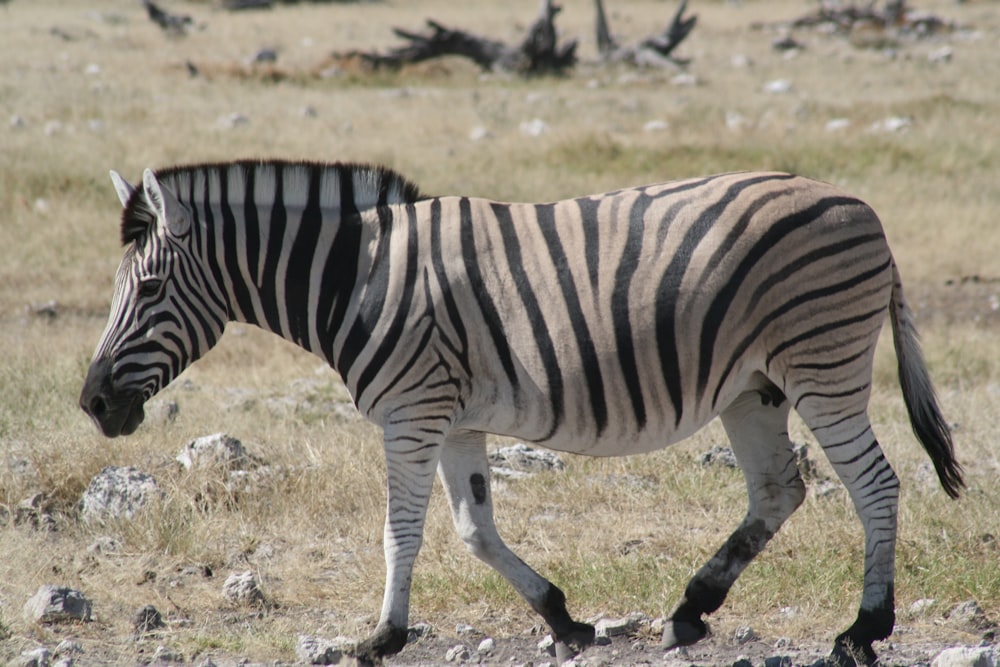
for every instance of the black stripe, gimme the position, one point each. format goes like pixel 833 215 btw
pixel 251 224
pixel 301 257
pixel 343 270
pixel 545 215
pixel 461 350
pixel 276 233
pixel 543 341
pixel 766 243
pixel 591 237
pixel 624 342
pixel 822 329
pixel 390 339
pixel 231 247
pixel 801 299
pixel 211 240
pixel 666 297
pixel 472 258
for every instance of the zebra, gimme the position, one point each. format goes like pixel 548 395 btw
pixel 604 325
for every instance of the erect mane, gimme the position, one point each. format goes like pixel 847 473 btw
pixel 370 186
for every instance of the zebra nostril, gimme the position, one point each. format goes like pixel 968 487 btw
pixel 97 406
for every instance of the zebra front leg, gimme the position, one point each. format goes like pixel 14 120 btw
pixel 465 475
pixel 757 426
pixel 410 465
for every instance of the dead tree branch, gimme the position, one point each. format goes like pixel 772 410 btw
pixel 539 52
pixel 654 50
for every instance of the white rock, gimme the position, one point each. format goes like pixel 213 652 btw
pixel 118 492
pixel 233 120
pixel 534 128
pixel 547 645
pixel 318 651
pixel 242 589
pixel 837 124
pixel 52 604
pixel 778 87
pixel 920 607
pixel 487 646
pixel 617 627
pixel 656 126
pixel 478 133
pixel 38 657
pixel 965 656
pixel 520 457
pixel 744 635
pixel 218 450
pixel 458 653
pixel 891 124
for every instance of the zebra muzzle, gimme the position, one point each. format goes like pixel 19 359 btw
pixel 114 412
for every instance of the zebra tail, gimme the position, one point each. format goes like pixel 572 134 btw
pixel 928 423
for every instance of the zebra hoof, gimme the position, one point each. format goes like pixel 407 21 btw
pixel 849 654
pixel 385 641
pixel 568 644
pixel 683 633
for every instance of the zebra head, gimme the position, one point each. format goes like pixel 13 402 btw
pixel 166 310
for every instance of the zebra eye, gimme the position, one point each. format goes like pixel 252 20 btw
pixel 150 288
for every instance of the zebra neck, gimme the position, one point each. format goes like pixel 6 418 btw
pixel 287 242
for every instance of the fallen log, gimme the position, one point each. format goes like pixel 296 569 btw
pixel 539 52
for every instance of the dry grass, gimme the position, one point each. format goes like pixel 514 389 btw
pixel 617 535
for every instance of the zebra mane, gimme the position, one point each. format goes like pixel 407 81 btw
pixel 370 185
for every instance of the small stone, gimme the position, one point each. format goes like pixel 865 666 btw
pixel 146 620
pixel 969 614
pixel 118 492
pixel 486 646
pixel 317 651
pixel 68 647
pixel 243 589
pixel 921 606
pixel 165 654
pixel 419 631
pixel 656 126
pixel 547 645
pixel 458 653
pixel 522 458
pixel 718 455
pixel 617 627
pixel 465 629
pixel 837 124
pixel 744 635
pixel 54 604
pixel 534 128
pixel 778 87
pixel 38 657
pixel 233 120
pixel 104 545
pixel 479 133
pixel 965 656
pixel 219 450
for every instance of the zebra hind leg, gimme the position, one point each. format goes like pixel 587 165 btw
pixel 757 426
pixel 857 458
pixel 465 476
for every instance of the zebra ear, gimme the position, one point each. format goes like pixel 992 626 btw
pixel 168 208
pixel 122 187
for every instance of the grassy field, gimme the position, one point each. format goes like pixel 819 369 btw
pixel 90 86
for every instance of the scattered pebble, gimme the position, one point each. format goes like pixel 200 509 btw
pixel 534 128
pixel 778 87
